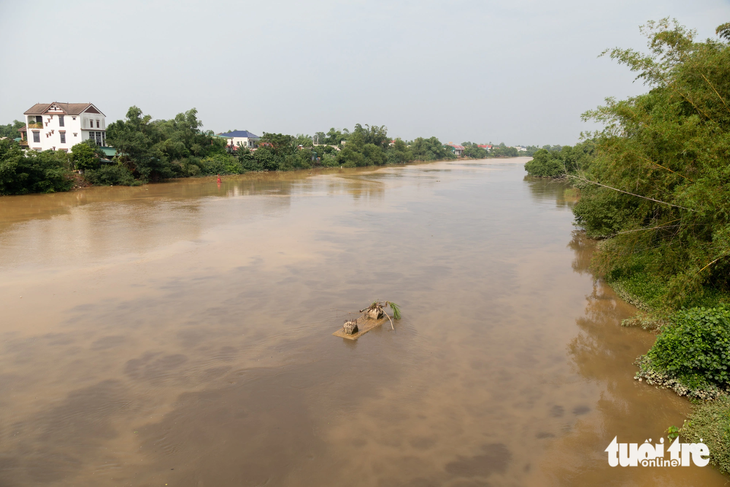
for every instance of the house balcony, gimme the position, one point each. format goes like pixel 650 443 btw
pixel 35 125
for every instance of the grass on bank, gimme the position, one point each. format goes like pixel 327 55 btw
pixel 710 424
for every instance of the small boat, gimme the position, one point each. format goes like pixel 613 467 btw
pixel 364 325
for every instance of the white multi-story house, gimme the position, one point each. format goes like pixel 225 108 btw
pixel 240 138
pixel 60 126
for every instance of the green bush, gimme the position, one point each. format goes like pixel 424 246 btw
pixel 32 172
pixel 84 157
pixel 546 164
pixel 695 348
pixel 110 175
pixel 330 160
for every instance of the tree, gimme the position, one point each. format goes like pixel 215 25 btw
pixel 723 31
pixel 11 130
pixel 473 151
pixel 84 157
pixel 660 181
pixel 163 149
pixel 137 139
pixel 334 137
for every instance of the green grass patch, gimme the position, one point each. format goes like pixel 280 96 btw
pixel 710 423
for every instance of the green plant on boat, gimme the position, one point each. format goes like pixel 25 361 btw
pixel 377 310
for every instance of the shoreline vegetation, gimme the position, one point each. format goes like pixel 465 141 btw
pixel 654 189
pixel 157 150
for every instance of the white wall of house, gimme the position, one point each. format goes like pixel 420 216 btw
pixel 242 141
pixel 54 136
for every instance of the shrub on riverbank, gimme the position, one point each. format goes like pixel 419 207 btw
pixel 561 163
pixel 32 172
pixel 694 351
pixel 110 175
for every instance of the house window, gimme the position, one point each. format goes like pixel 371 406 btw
pixel 36 137
pixel 63 137
pixel 97 124
pixel 91 123
pixel 60 121
pixel 38 119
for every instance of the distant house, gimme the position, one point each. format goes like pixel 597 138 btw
pixel 485 146
pixel 458 149
pixel 240 138
pixel 60 126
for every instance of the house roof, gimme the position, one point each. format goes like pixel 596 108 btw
pixel 67 108
pixel 239 133
pixel 457 146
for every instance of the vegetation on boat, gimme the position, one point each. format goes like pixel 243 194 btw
pixel 375 311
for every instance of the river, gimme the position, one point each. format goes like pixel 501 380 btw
pixel 180 334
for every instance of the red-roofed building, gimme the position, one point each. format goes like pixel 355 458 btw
pixel 458 149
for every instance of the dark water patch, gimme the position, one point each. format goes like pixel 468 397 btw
pixel 107 342
pixel 580 410
pixel 56 444
pixel 494 459
pixel 422 443
pixel 557 411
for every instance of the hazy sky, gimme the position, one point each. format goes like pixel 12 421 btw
pixel 516 71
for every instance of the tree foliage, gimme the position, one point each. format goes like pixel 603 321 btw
pixel 430 149
pixel 84 157
pixel 660 181
pixel 561 162
pixel 11 130
pixel 32 172
pixel 161 149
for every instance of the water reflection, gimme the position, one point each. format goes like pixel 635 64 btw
pixel 551 190
pixel 603 353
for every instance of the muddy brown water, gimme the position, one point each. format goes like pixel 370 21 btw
pixel 180 334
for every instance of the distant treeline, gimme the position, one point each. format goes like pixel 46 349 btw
pixel 155 150
pixel 161 149
pixel 561 161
